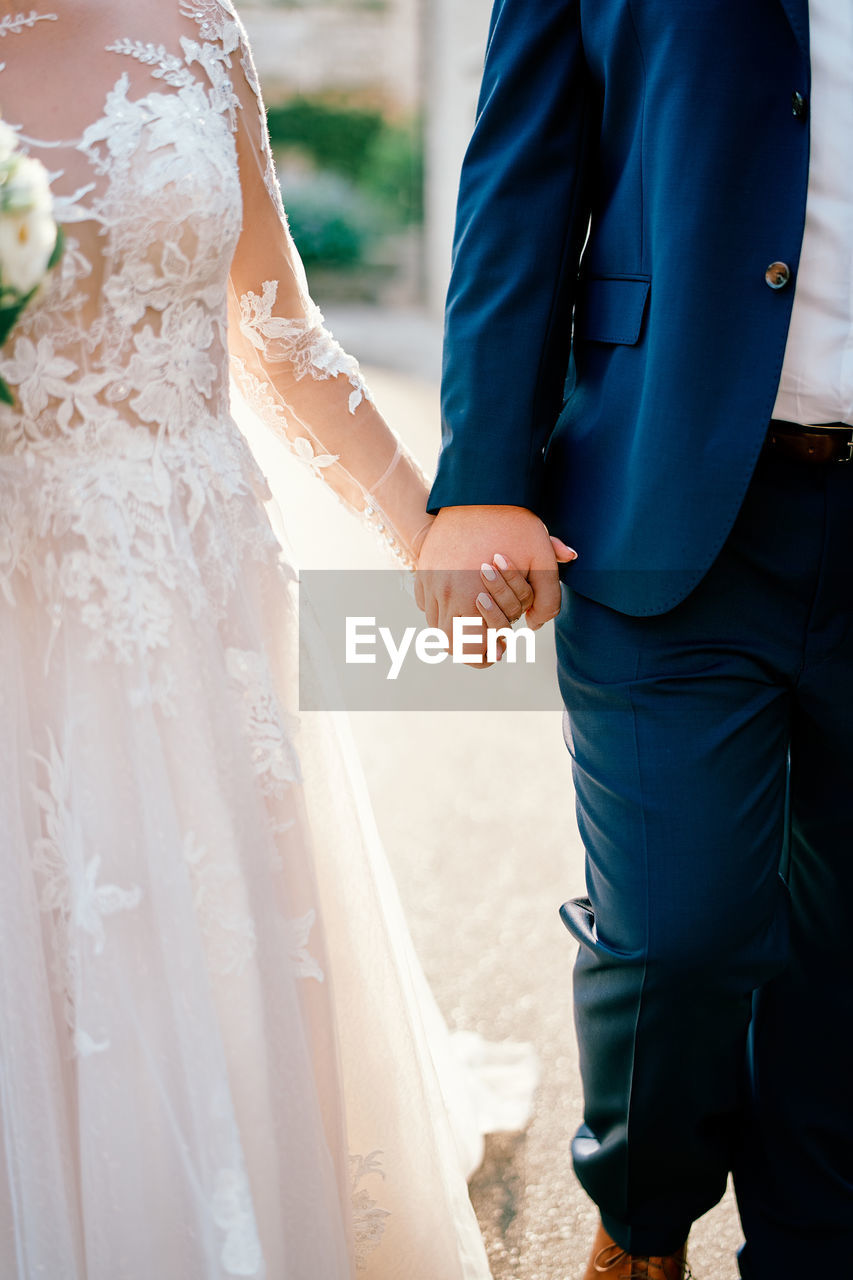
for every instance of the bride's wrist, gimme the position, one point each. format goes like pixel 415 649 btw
pixel 420 536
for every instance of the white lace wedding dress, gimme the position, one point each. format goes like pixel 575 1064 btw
pixel 213 1060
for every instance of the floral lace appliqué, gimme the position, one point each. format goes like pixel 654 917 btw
pixel 313 459
pixel 297 932
pixel 68 873
pixel 219 898
pixel 216 19
pixel 303 343
pixel 14 25
pixel 241 1253
pixel 368 1217
pixel 273 755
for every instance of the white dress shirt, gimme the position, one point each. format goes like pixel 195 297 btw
pixel 817 373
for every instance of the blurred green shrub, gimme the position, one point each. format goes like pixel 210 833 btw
pixel 385 160
pixel 336 136
pixel 334 224
pixel 394 172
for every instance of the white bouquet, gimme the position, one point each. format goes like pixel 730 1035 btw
pixel 30 241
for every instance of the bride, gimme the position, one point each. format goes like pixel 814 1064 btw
pixel 214 1053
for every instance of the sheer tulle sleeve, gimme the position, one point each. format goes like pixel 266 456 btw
pixel 289 368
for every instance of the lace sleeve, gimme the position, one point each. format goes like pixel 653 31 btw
pixel 288 366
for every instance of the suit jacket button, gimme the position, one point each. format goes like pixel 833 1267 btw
pixel 777 275
pixel 799 106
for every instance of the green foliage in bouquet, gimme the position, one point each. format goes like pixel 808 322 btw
pixel 12 306
pixel 30 241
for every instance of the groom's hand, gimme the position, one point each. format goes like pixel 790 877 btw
pixel 462 539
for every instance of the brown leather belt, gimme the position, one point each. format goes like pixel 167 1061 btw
pixel 828 442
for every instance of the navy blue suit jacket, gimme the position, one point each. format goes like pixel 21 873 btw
pixel 613 348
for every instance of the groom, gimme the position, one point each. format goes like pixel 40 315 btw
pixel 649 345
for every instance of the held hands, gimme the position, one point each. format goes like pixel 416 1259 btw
pixel 461 575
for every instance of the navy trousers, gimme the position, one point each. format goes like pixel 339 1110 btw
pixel 712 752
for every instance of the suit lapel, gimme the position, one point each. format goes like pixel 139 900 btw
pixel 798 16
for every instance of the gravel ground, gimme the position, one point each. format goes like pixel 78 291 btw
pixel 476 812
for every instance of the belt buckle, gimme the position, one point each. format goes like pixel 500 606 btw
pixel 822 426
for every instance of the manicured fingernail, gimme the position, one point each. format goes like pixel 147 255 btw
pixel 501 563
pixel 488 572
pixel 484 601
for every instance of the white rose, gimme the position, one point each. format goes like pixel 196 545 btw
pixel 26 242
pixel 27 187
pixel 8 141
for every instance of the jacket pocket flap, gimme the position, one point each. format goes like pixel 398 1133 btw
pixel 611 308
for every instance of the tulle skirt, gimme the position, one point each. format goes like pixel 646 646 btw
pixel 217 1049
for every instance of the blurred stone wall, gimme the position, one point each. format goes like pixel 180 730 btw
pixel 413 56
pixel 361 47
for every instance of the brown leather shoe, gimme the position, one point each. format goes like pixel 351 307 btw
pixel 611 1261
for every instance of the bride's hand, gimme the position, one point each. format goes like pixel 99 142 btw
pixel 506 596
pixel 450 576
